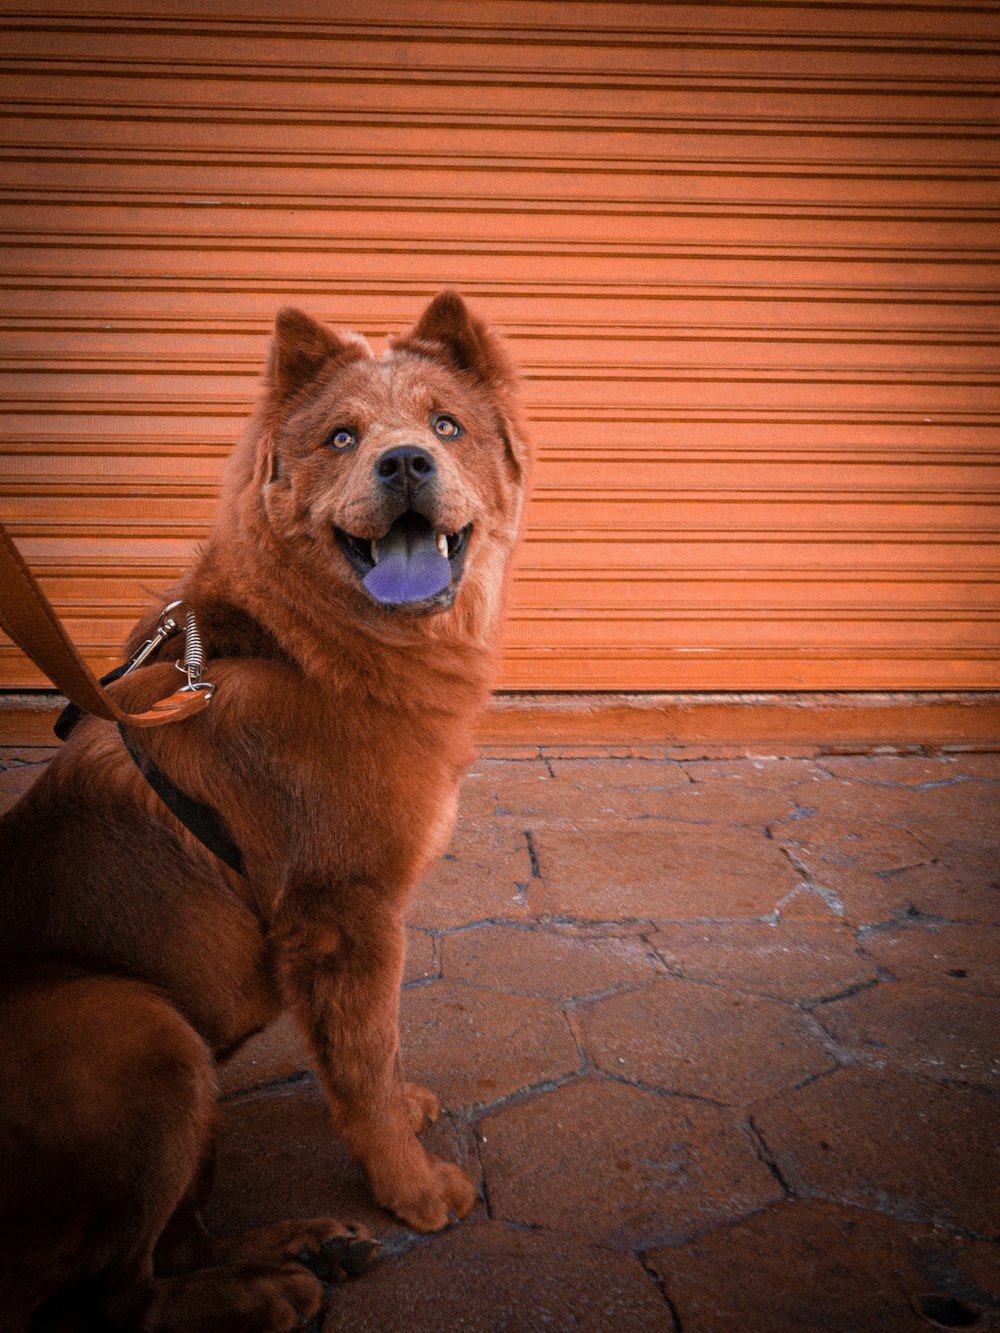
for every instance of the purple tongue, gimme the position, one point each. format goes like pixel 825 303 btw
pixel 410 567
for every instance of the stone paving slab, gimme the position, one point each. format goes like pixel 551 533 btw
pixel 920 1030
pixel 623 1166
pixel 802 1266
pixel 716 1036
pixel 702 1041
pixel 923 1151
pixel 658 871
pixel 951 954
pixel 496 1278
pixel 787 959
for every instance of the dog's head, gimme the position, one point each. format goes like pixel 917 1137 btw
pixel 402 476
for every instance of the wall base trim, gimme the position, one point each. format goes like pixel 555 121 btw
pixel 779 724
pixel 684 724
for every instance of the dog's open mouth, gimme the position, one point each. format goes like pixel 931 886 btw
pixel 413 565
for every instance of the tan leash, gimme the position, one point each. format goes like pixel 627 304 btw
pixel 27 617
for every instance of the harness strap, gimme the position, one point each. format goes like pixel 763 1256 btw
pixel 199 819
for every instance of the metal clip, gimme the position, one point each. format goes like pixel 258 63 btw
pixel 166 629
pixel 193 662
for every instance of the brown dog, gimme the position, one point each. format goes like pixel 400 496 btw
pixel 348 600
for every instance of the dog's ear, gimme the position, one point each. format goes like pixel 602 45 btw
pixel 448 331
pixel 302 348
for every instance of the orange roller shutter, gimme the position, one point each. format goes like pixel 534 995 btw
pixel 747 256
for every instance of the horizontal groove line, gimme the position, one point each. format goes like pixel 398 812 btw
pixel 236 113
pixel 957 51
pixel 584 206
pixel 107 463
pixel 542 331
pixel 854 615
pixel 788 513
pixel 238 409
pixel 585 654
pixel 561 493
pixel 235 243
pixel 549 412
pixel 913 653
pixel 466 163
pixel 665 375
pixel 802 498
pixel 697 615
pixel 595 288
pixel 605 372
pixel 212 365
pixel 187 536
pixel 767 335
pixel 452 74
pixel 129 569
pixel 113 449
pixel 558 534
pixel 511 33
pixel 189 529
pixel 562 124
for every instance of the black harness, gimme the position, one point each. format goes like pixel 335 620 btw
pixel 197 818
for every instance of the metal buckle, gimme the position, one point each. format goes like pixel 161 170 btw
pixel 192 664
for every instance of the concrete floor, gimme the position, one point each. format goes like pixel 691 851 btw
pixel 717 1037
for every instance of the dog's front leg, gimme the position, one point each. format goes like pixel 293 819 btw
pixel 341 973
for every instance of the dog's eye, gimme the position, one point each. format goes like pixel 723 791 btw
pixel 341 438
pixel 447 427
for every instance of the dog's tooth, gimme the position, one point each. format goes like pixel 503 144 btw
pixel 442 544
pixel 374 546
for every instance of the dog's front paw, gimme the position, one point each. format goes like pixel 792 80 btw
pixel 422 1106
pixel 445 1196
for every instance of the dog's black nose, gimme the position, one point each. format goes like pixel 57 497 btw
pixel 405 469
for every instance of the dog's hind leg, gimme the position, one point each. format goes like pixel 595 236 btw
pixel 106 1103
pixel 107 1110
pixel 328 1248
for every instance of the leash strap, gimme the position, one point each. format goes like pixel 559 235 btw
pixel 27 617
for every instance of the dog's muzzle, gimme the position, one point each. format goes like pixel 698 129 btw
pixel 413 565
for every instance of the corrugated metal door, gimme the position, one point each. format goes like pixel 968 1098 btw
pixel 747 255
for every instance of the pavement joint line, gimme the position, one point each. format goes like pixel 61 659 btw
pixel 915 914
pixel 809 1006
pixel 269 1089
pixel 899 1213
pixel 437 952
pixel 673 1094
pixel 484 1189
pixel 827 896
pixel 506 921
pixel 766 1157
pixel 901 870
pixel 572 1022
pixel 418 983
pixel 532 854
pixel 479 1111
pixel 660 1282
pixel 774 1095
